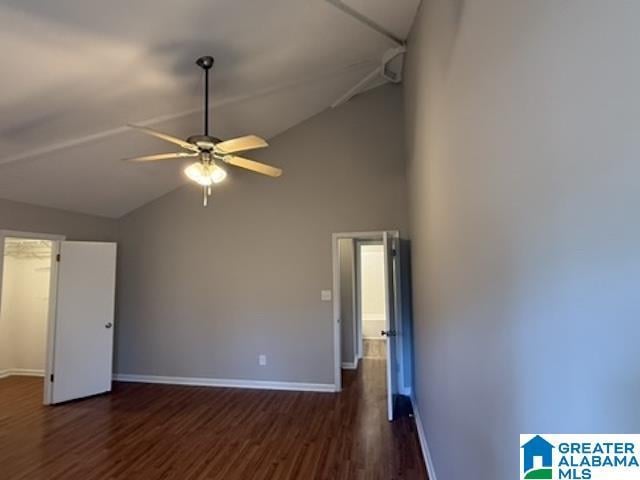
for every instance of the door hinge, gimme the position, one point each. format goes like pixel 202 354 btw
pixel 394 252
pixel 51 378
pixel 58 257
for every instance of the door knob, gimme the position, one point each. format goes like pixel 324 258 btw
pixel 108 325
pixel 388 333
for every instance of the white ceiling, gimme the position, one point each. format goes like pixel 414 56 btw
pixel 79 71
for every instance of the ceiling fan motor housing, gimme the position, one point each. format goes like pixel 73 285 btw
pixel 204 142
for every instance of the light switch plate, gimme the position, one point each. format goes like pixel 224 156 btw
pixel 262 360
pixel 325 295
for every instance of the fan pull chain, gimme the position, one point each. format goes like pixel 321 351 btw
pixel 206 192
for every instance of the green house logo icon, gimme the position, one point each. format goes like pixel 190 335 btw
pixel 538 447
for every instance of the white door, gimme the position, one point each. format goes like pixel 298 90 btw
pixel 390 271
pixel 83 336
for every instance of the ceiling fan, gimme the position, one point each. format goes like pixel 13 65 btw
pixel 208 149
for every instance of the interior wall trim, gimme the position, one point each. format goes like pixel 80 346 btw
pixel 350 365
pixel 226 382
pixel 423 440
pixel 22 372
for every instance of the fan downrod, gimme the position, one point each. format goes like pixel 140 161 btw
pixel 205 62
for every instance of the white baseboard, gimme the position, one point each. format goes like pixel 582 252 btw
pixel 350 365
pixel 21 372
pixel 227 383
pixel 423 440
pixel 27 372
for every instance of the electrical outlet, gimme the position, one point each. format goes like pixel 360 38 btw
pixel 325 295
pixel 262 360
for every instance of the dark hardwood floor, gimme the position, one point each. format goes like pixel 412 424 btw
pixel 172 432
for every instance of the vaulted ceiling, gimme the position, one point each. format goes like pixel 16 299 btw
pixel 75 73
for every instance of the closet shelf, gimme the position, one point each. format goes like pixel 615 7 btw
pixel 39 249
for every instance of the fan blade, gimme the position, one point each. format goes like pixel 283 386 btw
pixel 168 138
pixel 249 142
pixel 253 165
pixel 162 156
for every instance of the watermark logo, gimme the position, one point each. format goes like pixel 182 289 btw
pixel 579 457
pixel 537 461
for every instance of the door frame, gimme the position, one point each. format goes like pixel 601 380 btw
pixel 377 235
pixel 53 289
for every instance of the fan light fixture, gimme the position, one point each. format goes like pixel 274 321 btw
pixel 205 174
pixel 209 149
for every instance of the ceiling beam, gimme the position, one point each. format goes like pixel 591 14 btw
pixel 173 116
pixel 366 21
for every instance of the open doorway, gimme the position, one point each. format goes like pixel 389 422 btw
pixel 28 275
pixel 368 310
pixel 370 299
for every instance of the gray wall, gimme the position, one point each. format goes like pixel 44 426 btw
pixel 524 147
pixel 76 226
pixel 347 297
pixel 202 291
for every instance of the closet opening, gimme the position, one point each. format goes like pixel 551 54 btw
pixel 27 268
